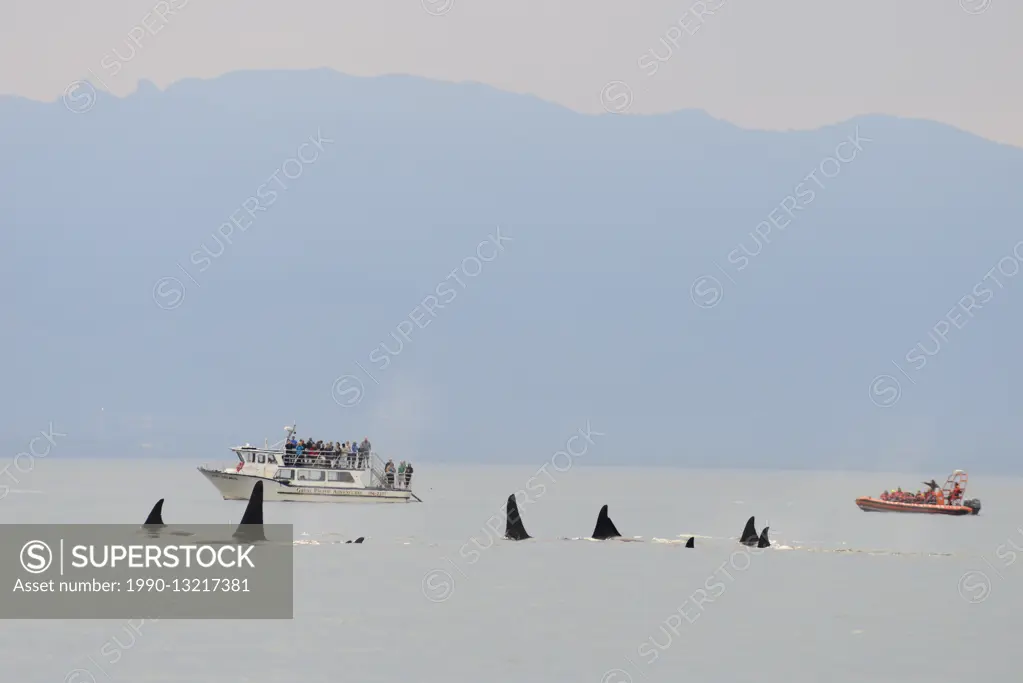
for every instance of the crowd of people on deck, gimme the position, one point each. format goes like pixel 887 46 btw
pixel 934 496
pixel 346 455
pixel 333 453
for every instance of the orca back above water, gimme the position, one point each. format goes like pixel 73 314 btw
pixel 751 538
pixel 251 527
pixel 749 534
pixel 605 527
pixel 514 529
pixel 155 518
pixel 360 539
pixel 154 526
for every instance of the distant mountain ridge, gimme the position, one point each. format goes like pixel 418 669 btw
pixel 619 298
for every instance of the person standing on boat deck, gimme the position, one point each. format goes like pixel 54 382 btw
pixel 389 473
pixel 401 473
pixel 364 449
pixel 350 454
pixel 408 475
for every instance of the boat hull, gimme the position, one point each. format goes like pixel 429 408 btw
pixel 877 505
pixel 235 486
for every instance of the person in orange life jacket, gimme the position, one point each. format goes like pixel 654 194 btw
pixel 957 493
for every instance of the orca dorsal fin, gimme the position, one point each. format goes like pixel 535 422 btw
pixel 514 529
pixel 605 527
pixel 251 527
pixel 155 517
pixel 749 534
pixel 762 542
pixel 691 543
pixel 360 539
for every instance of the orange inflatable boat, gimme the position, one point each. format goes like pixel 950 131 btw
pixel 948 500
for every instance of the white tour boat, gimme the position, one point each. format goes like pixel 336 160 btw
pixel 321 478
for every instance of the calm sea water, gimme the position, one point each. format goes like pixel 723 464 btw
pixel 846 595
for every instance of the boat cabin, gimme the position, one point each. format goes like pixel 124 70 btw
pixel 330 469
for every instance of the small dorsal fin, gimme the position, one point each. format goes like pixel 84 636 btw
pixel 691 543
pixel 763 542
pixel 155 517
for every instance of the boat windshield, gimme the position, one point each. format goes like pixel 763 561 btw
pixel 259 457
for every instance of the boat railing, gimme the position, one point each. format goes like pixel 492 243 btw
pixel 309 458
pixel 327 460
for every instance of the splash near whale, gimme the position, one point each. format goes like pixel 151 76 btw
pixel 514 529
pixel 605 528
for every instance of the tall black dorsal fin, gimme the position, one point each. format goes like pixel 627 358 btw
pixel 763 542
pixel 155 517
pixel 514 529
pixel 749 534
pixel 691 543
pixel 251 527
pixel 605 527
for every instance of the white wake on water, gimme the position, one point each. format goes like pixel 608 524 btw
pixel 680 541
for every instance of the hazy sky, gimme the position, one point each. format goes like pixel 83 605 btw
pixel 757 63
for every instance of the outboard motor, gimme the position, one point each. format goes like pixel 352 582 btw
pixel 973 504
